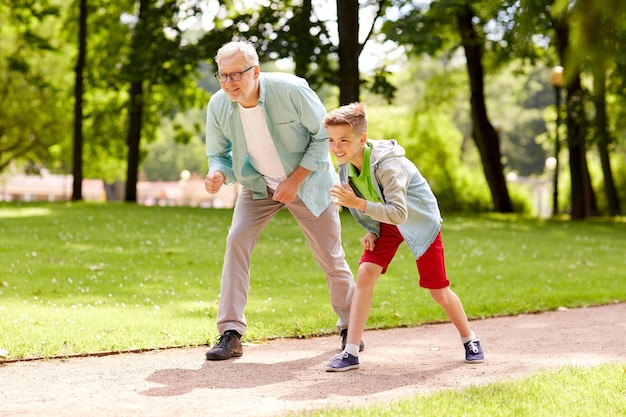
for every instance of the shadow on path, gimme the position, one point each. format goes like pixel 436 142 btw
pixel 229 374
pixel 303 379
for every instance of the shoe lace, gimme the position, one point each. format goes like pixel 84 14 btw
pixel 340 355
pixel 472 347
pixel 222 340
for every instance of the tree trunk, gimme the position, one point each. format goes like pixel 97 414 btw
pixel 484 134
pixel 135 114
pixel 302 59
pixel 604 138
pixel 134 140
pixel 77 166
pixel 583 198
pixel 349 50
pixel 582 195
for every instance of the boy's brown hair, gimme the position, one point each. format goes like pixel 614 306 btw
pixel 353 115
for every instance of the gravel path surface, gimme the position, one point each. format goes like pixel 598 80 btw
pixel 288 375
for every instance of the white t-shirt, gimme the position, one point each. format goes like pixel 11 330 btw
pixel 261 149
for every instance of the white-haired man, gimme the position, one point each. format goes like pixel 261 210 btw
pixel 265 131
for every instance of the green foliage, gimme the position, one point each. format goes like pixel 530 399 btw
pixel 83 277
pixel 175 45
pixel 618 165
pixel 121 49
pixel 595 27
pixel 431 138
pixel 523 200
pixel 517 98
pixel 33 72
pixel 174 151
pixel 436 151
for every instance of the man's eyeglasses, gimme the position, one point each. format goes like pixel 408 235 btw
pixel 234 76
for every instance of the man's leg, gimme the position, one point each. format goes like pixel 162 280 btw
pixel 249 219
pixel 323 235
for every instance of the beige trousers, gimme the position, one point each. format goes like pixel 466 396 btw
pixel 323 235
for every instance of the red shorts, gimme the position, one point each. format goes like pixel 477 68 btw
pixel 430 266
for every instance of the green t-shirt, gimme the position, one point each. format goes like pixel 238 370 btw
pixel 363 180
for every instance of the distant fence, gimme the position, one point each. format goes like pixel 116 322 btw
pixel 189 192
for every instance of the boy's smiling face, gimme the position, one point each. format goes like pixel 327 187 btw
pixel 346 145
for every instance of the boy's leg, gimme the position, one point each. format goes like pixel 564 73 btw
pixel 431 267
pixel 372 264
pixel 453 308
pixel 367 276
pixel 432 271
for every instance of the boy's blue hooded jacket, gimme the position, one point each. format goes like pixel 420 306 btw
pixel 407 200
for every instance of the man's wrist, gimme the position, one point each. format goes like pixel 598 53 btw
pixel 299 175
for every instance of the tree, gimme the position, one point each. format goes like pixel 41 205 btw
pixel 582 196
pixel 349 50
pixel 148 74
pixel 440 26
pixel 77 156
pixel 598 44
pixel 484 134
pixel 32 73
pixel 136 103
pixel 287 30
pixel 584 34
pixel 302 38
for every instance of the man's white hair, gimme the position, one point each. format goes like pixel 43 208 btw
pixel 245 48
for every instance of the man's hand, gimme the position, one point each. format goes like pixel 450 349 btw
pixel 287 191
pixel 214 181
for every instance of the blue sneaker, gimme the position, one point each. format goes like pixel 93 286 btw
pixel 342 362
pixel 473 352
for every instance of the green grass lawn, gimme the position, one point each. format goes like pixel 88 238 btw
pixel 79 278
pixel 565 392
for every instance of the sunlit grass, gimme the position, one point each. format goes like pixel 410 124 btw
pixel 88 278
pixel 10 212
pixel 568 391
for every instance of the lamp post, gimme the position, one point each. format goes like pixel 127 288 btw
pixel 556 79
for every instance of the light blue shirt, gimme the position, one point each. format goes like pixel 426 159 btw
pixel 294 115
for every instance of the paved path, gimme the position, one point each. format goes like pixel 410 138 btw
pixel 284 376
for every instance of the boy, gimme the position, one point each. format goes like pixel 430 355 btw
pixel 386 194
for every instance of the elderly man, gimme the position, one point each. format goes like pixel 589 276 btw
pixel 265 130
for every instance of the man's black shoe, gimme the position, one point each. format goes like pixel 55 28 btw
pixel 344 336
pixel 228 346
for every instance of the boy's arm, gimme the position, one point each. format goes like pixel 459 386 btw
pixel 392 211
pixel 394 183
pixel 369 241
